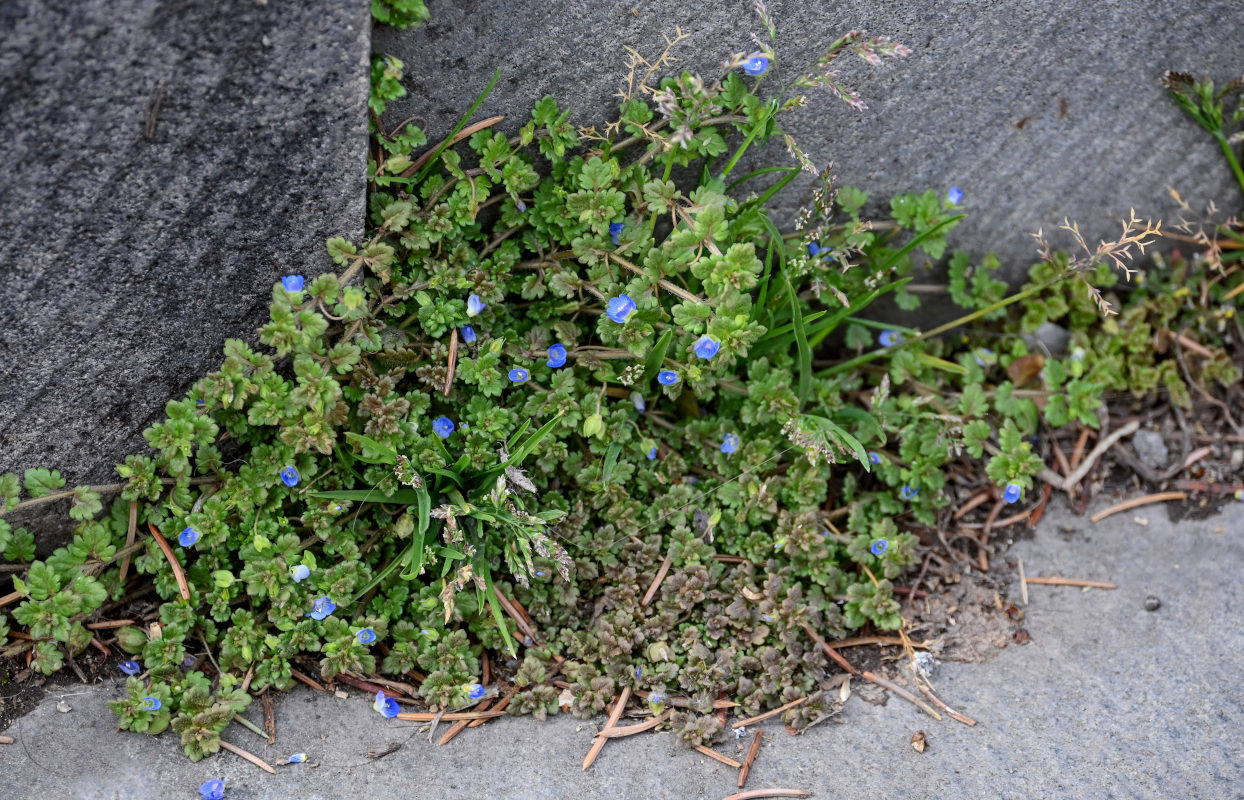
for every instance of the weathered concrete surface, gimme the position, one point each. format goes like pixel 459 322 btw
pixel 131 253
pixel 979 104
pixel 1108 700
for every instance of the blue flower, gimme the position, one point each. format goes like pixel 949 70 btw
pixel 756 65
pixel 614 229
pixel 443 427
pixel 909 492
pixel 289 476
pixel 475 305
pixel 1077 354
pixel 293 283
pixel 639 673
pixel 814 249
pixel 188 537
pixel 366 636
pixel 879 546
pixel 982 356
pixel 300 573
pixel 131 667
pixel 890 338
pixel 468 334
pixel 619 308
pixel 656 698
pixel 475 691
pixel 1012 492
pixel 652 454
pixel 212 790
pixel 873 457
pixel 638 400
pixel 766 617
pixel 667 377
pixel 557 356
pixel 729 443
pixel 387 706
pixel 322 608
pixel 954 196
pixel 706 347
pixel 298 758
pixel 540 573
pixel 518 375
pixel 151 704
pixel 520 205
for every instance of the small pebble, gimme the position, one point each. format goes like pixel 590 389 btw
pixel 1152 603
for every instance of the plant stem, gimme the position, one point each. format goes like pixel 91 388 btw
pixel 1231 159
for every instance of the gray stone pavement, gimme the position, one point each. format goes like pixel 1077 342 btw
pixel 1107 701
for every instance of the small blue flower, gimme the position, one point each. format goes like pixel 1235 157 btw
pixel 890 338
pixel 131 667
pixel 443 427
pixel 954 196
pixel 909 492
pixel 638 400
pixel 706 347
pixel 475 691
pixel 151 704
pixel 729 443
pixel 766 617
pixel 300 573
pixel 667 377
pixel 557 356
pixel 475 306
pixel 814 249
pixel 656 698
pixel 879 546
pixel 337 508
pixel 387 706
pixel 366 636
pixel 200 402
pixel 212 790
pixel 614 229
pixel 289 476
pixel 188 537
pixel 1012 492
pixel 322 608
pixel 518 375
pixel 639 673
pixel 298 758
pixel 652 454
pixel 1077 354
pixel 756 65
pixel 520 205
pixel 620 308
pixel 293 283
pixel 873 457
pixel 468 334
pixel 982 356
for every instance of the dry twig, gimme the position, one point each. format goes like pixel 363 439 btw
pixel 713 754
pixel 768 714
pixel 1160 497
pixel 1071 582
pixel 614 716
pixel 254 759
pixel 751 757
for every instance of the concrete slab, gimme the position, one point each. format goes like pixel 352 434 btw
pixel 1108 700
pixel 1036 110
pixel 164 164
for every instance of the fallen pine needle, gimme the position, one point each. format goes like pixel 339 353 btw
pixel 182 586
pixel 6 740
pixel 964 718
pixel 631 730
pixel 614 716
pixel 1023 583
pixel 751 757
pixel 711 753
pixel 308 680
pixel 427 716
pixel 872 677
pixel 250 726
pixel 860 641
pixel 1160 497
pixel 459 726
pixel 500 706
pixel 656 582
pixel 1072 582
pixel 108 624
pixel 256 760
pixel 754 793
pixel 761 717
pixel 677 702
pixel 829 651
